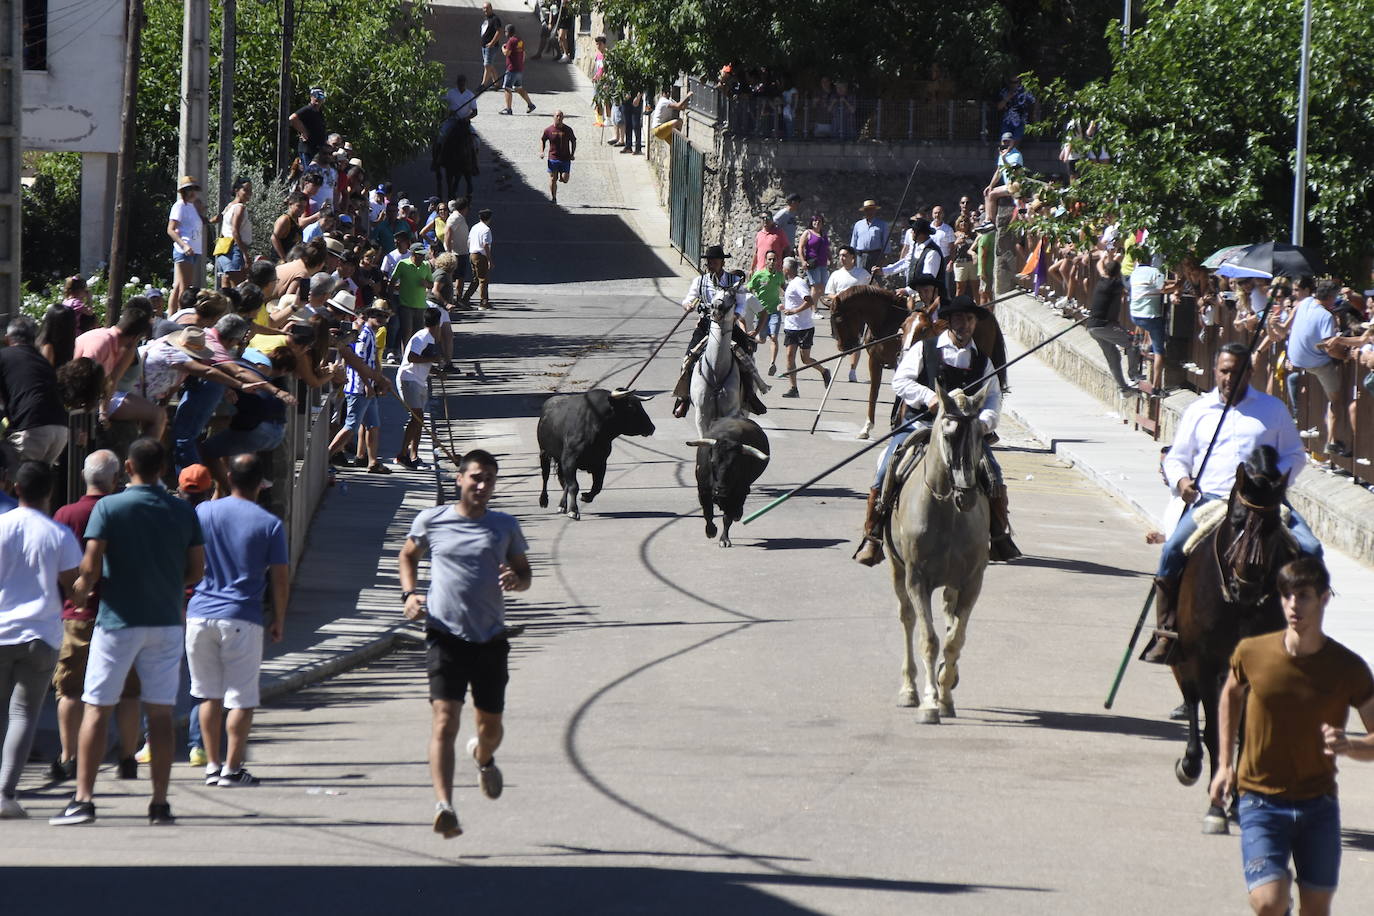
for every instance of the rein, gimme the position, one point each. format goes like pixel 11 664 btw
pixel 1249 550
pixel 953 491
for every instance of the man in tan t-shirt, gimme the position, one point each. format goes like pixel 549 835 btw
pixel 1298 686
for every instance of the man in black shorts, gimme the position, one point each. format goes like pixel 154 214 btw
pixel 475 554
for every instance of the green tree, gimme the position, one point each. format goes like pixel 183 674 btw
pixel 1199 115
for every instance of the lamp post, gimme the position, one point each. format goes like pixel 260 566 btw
pixel 1300 166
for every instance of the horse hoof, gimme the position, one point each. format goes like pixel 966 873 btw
pixel 863 434
pixel 947 710
pixel 1215 825
pixel 927 716
pixel 907 698
pixel 543 502
pixel 1181 768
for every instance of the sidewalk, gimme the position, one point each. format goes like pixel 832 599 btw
pixel 1124 462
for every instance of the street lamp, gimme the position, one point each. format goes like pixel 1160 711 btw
pixel 1300 166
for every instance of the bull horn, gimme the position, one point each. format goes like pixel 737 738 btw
pixel 758 453
pixel 701 442
pixel 643 397
pixel 621 392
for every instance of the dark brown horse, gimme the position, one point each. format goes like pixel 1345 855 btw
pixel 863 313
pixel 1228 592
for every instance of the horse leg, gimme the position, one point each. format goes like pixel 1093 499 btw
pixel 875 381
pixel 544 460
pixel 907 614
pixel 1189 767
pixel 1209 683
pixel 929 712
pixel 958 606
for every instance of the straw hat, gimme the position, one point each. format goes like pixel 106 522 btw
pixel 343 301
pixel 187 182
pixel 869 204
pixel 191 341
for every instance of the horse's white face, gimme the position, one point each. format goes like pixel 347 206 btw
pixel 959 437
pixel 722 307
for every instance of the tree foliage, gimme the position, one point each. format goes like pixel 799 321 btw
pixel 1199 115
pixel 974 43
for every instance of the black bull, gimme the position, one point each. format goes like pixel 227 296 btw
pixel 730 458
pixel 576 431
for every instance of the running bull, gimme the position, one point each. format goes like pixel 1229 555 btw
pixel 731 456
pixel 576 431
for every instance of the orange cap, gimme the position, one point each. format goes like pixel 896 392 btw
pixel 195 478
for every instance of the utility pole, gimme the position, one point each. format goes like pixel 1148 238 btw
pixel 288 38
pixel 193 153
pixel 1300 166
pixel 11 141
pixel 229 39
pixel 119 241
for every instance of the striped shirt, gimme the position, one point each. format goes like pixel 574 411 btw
pixel 366 348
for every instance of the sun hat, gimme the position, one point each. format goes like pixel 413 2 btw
pixel 187 182
pixel 343 301
pixel 191 340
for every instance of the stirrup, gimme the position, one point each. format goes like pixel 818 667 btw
pixel 878 553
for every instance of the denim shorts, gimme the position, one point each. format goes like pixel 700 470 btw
pixel 1155 326
pixel 179 256
pixel 488 55
pixel 362 411
pixel 1274 829
pixel 817 276
pixel 774 322
pixel 231 262
pixel 514 79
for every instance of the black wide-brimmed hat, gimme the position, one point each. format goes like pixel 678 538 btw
pixel 921 280
pixel 961 304
pixel 715 251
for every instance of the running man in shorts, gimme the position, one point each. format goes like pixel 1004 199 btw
pixel 475 555
pixel 558 144
pixel 421 352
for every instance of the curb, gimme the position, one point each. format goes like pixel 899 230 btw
pixel 309 675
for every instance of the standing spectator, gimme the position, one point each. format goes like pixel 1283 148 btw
pixel 363 414
pixel 984 256
pixel 1015 103
pixel 186 228
pixel 813 250
pixel 798 324
pixel 769 239
pixel 479 253
pixel 475 554
pixel 766 285
pixel 848 275
pixel 547 11
pixel 456 232
pixel 558 144
pixel 287 231
pixel 1297 687
pixel 76 296
pixel 868 238
pixel 601 102
pixel 308 121
pixel 632 116
pixel 514 80
pixel 245 550
pixel 843 112
pixel 1147 310
pixel 421 351
pixel 1004 175
pixel 410 282
pixel 490 32
pixel 236 225
pixel 100 473
pixel 29 396
pixel 145 546
pixel 443 295
pixel 1103 328
pixel 57 335
pixel 38 559
pixel 1313 326
pixel 564 24
pixel 962 267
pixel 786 219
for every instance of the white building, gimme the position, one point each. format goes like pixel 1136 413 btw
pixel 72 97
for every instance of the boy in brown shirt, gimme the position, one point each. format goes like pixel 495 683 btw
pixel 1298 686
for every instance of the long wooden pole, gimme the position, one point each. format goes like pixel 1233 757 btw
pixel 124 174
pixel 862 346
pixel 825 397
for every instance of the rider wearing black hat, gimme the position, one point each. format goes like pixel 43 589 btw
pixel 700 294
pixel 948 361
pixel 924 260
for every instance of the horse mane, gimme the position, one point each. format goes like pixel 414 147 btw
pixel 844 296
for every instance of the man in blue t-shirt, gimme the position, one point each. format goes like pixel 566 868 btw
pixel 245 548
pixel 144 546
pixel 1313 326
pixel 475 554
pixel 1005 175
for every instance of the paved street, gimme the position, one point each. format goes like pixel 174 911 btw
pixel 691 729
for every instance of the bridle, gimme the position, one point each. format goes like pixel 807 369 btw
pixel 1248 551
pixel 957 463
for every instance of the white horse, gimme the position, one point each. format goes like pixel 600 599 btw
pixel 939 537
pixel 716 381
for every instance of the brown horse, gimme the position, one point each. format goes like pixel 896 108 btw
pixel 1228 592
pixel 871 313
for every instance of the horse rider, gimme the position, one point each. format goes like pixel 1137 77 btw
pixel 1255 419
pixel 953 361
pixel 700 294
pixel 462 108
pixel 925 259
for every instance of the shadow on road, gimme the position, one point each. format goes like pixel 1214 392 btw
pixel 1082 566
pixel 1159 729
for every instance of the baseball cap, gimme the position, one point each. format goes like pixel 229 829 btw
pixel 195 478
pixel 1007 136
pixel 317 93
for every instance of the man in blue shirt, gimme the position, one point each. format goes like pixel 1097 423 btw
pixel 868 238
pixel 364 415
pixel 245 548
pixel 1313 326
pixel 1004 175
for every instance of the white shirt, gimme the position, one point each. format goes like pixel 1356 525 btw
pixel 662 110
pixel 479 238
pixel 1147 284
pixel 792 298
pixel 702 292
pixel 391 259
pixel 907 380
pixel 416 372
pixel 930 261
pixel 456 228
pixel 33 551
pixel 786 221
pixel 461 102
pixel 943 235
pixel 842 279
pixel 1258 419
pixel 189 225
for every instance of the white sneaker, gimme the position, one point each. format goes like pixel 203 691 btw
pixel 489 776
pixel 446 821
pixel 1311 433
pixel 11 810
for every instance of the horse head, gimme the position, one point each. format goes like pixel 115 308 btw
pixel 1253 512
pixel 845 325
pixel 721 308
pixel 957 438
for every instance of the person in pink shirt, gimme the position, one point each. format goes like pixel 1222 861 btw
pixel 768 238
pixel 114 350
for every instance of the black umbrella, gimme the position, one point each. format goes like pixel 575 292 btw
pixel 1281 259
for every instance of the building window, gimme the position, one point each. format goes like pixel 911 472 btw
pixel 35 31
pixel 584 23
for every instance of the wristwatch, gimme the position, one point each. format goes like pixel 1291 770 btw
pixel 405 596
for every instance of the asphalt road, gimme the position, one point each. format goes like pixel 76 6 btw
pixel 692 729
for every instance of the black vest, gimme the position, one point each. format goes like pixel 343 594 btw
pixel 918 257
pixel 934 368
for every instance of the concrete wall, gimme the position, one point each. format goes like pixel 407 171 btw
pixel 74 105
pixel 1338 513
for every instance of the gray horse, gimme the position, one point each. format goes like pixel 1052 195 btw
pixel 938 537
pixel 717 383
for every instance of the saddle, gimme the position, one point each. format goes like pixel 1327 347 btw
pixel 1209 516
pixel 752 384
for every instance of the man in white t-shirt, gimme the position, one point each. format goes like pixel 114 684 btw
pixel 1147 310
pixel 798 323
pixel 479 254
pixel 421 352
pixel 940 231
pixel 847 275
